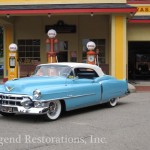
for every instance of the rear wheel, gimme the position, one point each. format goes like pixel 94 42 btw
pixel 54 111
pixel 113 102
pixel 7 114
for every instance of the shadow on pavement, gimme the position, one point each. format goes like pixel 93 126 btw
pixel 39 119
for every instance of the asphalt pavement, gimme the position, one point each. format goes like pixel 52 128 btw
pixel 125 127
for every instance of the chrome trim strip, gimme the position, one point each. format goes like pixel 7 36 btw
pixel 13 100
pixel 68 97
pixel 82 95
pixel 19 96
pixel 5 105
pixel 16 95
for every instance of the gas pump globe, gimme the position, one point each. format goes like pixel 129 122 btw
pixel 51 46
pixel 91 55
pixel 13 65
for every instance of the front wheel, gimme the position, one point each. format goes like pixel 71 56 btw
pixel 54 111
pixel 7 114
pixel 113 102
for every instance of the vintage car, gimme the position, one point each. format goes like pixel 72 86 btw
pixel 56 87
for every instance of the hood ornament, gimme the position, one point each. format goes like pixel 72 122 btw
pixel 8 88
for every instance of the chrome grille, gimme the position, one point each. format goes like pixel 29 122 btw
pixel 10 99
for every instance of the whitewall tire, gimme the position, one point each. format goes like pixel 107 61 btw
pixel 113 102
pixel 54 111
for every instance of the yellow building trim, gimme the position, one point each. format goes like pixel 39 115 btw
pixel 125 51
pixel 18 2
pixel 120 42
pixel 118 47
pixel 112 46
pixel 8 39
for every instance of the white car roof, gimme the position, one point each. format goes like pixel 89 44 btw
pixel 81 65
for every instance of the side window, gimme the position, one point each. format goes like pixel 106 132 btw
pixel 86 73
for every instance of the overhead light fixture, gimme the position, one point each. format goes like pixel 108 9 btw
pixel 131 14
pixel 49 15
pixel 92 14
pixel 8 15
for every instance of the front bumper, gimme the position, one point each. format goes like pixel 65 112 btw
pixel 13 103
pixel 22 110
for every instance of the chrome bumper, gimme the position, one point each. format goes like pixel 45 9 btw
pixel 14 103
pixel 131 88
pixel 22 110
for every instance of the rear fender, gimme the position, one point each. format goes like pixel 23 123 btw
pixel 113 88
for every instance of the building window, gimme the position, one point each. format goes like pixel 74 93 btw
pixel 100 45
pixel 29 51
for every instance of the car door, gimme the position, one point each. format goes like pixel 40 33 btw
pixel 83 91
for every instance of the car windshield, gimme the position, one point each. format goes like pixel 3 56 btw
pixel 52 70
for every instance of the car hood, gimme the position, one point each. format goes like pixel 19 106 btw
pixel 28 84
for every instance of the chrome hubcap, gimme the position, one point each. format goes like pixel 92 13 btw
pixel 113 101
pixel 52 108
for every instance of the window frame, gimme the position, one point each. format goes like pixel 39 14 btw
pixel 29 51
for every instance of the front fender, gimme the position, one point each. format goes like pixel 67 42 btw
pixel 54 92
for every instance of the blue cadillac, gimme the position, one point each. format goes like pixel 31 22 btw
pixel 58 87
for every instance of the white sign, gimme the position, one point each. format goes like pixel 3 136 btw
pixel 12 54
pixel 13 47
pixel 90 45
pixel 51 33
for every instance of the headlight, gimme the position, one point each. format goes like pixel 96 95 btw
pixel 26 103
pixel 37 94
